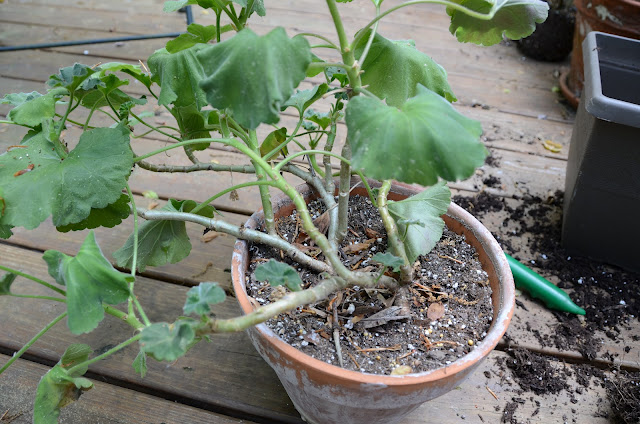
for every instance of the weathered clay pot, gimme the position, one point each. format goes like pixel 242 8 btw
pixel 324 393
pixel 618 17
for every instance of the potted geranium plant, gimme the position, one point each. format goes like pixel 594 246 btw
pixel 401 126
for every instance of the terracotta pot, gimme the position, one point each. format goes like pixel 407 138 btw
pixel 325 393
pixel 618 17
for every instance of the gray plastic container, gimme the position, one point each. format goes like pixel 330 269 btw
pixel 602 189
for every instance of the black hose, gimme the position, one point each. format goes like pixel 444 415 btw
pixel 189 16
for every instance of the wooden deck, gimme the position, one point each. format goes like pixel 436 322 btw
pixel 226 381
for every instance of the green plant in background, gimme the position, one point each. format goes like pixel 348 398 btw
pixel 394 99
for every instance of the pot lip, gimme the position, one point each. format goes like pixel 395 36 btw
pixel 497 329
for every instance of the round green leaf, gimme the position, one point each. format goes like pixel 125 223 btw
pixel 424 140
pixel 419 219
pixel 33 108
pixel 514 19
pixel 160 242
pixel 58 387
pixel 253 76
pixel 38 183
pixel 90 280
pixel 278 274
pixel 5 283
pixel 200 297
pixel 167 342
pixel 178 75
pixel 393 70
pixel 108 217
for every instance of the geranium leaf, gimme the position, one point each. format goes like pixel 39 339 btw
pixel 393 70
pixel 58 387
pixel 278 274
pixel 106 87
pixel 200 297
pixel 5 231
pixel 425 139
pixel 167 342
pixel 140 363
pixel 71 77
pixel 109 216
pixel 90 280
pixel 273 140
pixel 91 177
pixel 31 109
pixel 254 86
pixel 389 260
pixel 195 34
pixel 5 283
pixel 323 119
pixel 192 123
pixel 135 71
pixel 302 99
pixel 419 219
pixel 178 75
pixel 160 242
pixel 514 19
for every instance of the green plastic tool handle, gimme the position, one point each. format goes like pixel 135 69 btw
pixel 540 288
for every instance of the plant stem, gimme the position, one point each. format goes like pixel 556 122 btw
pixel 289 158
pixel 365 52
pixel 353 69
pixel 153 128
pixel 265 196
pixel 226 141
pixel 321 37
pixel 30 343
pixel 287 303
pixel 329 184
pixel 35 279
pixel 343 194
pixel 130 319
pixel 110 352
pixel 34 296
pixel 228 190
pixel 132 298
pixel 393 237
pixel 240 232
pixel 243 169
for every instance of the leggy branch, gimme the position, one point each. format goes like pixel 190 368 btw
pixel 246 169
pixel 241 233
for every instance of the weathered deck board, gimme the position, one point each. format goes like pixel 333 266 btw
pixel 208 261
pixel 105 403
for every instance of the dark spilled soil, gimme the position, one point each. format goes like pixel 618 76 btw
pixel 529 229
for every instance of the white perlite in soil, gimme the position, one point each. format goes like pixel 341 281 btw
pixel 439 318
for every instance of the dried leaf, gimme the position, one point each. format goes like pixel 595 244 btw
pixel 153 205
pixel 211 235
pixel 383 317
pixel 312 338
pixel 402 370
pixel 552 146
pixel 358 247
pixel 322 222
pixel 435 311
pixel 372 233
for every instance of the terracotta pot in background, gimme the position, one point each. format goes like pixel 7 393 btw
pixel 618 17
pixel 325 393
